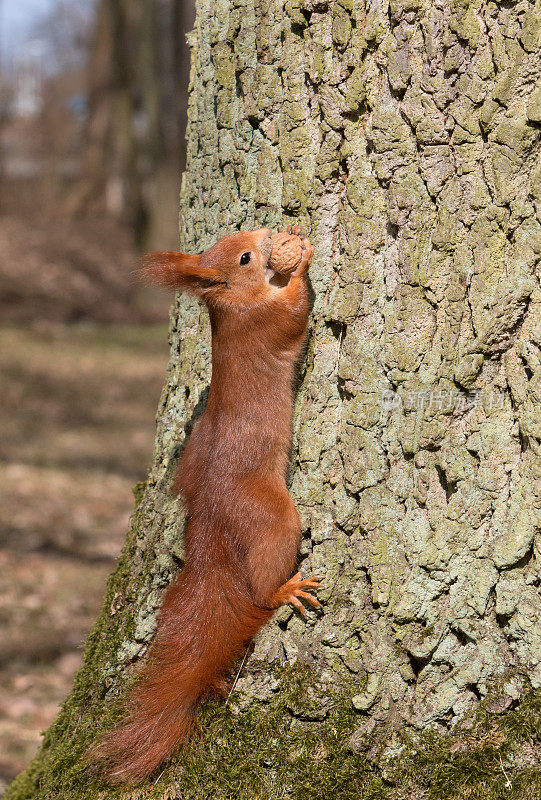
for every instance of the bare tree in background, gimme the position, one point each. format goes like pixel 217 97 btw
pixel 135 125
pixel 93 148
pixel 43 85
pixel 109 136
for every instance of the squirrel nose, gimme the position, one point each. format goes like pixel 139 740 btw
pixel 267 233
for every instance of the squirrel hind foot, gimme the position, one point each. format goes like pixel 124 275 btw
pixel 296 587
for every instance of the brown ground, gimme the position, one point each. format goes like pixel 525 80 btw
pixel 53 267
pixel 76 433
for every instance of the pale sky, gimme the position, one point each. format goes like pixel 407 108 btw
pixel 16 17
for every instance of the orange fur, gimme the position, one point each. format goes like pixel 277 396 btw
pixel 243 530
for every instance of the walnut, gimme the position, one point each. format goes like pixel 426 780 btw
pixel 286 253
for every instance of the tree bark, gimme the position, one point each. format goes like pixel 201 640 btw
pixel 405 136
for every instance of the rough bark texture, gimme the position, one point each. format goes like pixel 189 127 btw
pixel 405 134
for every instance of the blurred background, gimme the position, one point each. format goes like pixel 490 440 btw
pixel 92 118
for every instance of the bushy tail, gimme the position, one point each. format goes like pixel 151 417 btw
pixel 205 623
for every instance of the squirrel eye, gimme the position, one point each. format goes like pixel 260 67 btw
pixel 245 258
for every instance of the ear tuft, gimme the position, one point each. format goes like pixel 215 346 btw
pixel 158 269
pixel 167 268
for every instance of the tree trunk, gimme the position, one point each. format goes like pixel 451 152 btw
pixel 404 134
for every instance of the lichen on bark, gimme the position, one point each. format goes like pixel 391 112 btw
pixel 405 136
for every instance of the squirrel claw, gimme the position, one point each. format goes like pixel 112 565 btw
pixel 296 230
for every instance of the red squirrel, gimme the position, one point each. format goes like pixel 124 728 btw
pixel 243 529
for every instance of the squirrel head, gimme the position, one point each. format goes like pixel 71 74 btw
pixel 234 270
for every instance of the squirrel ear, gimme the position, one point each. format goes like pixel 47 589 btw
pixel 178 271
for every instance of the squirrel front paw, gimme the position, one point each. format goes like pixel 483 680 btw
pixel 307 249
pixel 307 253
pixel 295 588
